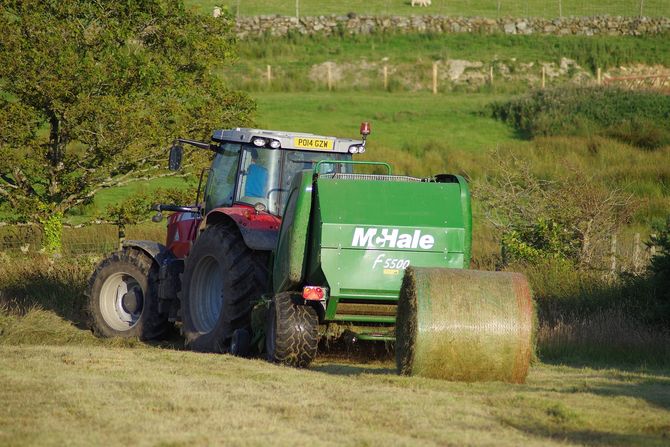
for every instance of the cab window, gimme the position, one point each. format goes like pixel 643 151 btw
pixel 221 181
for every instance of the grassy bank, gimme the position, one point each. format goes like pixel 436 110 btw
pixel 92 239
pixel 588 51
pixel 485 8
pixel 357 62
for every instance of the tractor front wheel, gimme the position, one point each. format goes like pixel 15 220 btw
pixel 122 297
pixel 291 333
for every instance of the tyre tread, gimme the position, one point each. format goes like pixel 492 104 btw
pixel 296 332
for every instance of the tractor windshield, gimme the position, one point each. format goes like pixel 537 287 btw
pixel 221 180
pixel 266 174
pixel 259 176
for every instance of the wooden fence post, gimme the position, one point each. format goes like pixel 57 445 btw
pixel 434 78
pixel 268 74
pixel 491 74
pixel 613 265
pixel 652 249
pixel 329 79
pixel 599 76
pixel 637 264
pixel 386 77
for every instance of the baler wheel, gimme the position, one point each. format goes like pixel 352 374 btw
pixel 291 333
pixel 221 277
pixel 122 297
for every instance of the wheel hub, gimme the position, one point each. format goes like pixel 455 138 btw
pixel 132 301
pixel 121 301
pixel 206 295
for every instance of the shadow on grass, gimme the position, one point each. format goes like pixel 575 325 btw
pixel 595 437
pixel 340 369
pixel 635 379
pixel 655 391
pixel 341 359
pixel 55 285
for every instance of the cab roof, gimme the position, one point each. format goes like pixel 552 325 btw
pixel 287 140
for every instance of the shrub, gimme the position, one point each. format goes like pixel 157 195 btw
pixel 659 270
pixel 569 219
pixel 638 118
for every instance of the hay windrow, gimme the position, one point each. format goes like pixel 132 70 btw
pixel 465 325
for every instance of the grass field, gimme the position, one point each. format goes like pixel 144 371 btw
pixel 84 395
pixel 601 376
pixel 485 8
pixel 407 121
pixel 61 385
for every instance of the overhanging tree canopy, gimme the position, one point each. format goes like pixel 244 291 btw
pixel 91 92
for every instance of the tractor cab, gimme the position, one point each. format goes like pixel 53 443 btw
pixel 256 167
pixel 249 180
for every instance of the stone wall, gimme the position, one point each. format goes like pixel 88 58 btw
pixel 354 24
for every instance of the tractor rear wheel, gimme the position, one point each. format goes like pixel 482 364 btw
pixel 291 333
pixel 123 298
pixel 221 277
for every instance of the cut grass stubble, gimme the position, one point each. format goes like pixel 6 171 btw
pixel 87 395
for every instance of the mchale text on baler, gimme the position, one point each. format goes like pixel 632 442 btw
pixel 289 245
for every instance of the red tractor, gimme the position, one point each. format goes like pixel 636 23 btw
pixel 227 239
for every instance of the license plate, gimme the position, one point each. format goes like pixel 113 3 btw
pixel 313 143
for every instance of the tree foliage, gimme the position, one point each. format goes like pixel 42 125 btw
pixel 571 220
pixel 92 92
pixel 138 207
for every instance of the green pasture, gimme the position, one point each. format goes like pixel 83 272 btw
pixel 408 121
pixel 484 8
pixel 61 385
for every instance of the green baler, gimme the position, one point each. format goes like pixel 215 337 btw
pixel 355 237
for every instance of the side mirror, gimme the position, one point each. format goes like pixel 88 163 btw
pixel 176 152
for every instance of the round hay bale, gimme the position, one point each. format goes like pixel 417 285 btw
pixel 464 325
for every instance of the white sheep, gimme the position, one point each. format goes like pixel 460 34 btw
pixel 420 2
pixel 216 12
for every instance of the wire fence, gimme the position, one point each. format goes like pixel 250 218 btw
pixel 91 239
pixel 466 8
pixel 626 253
